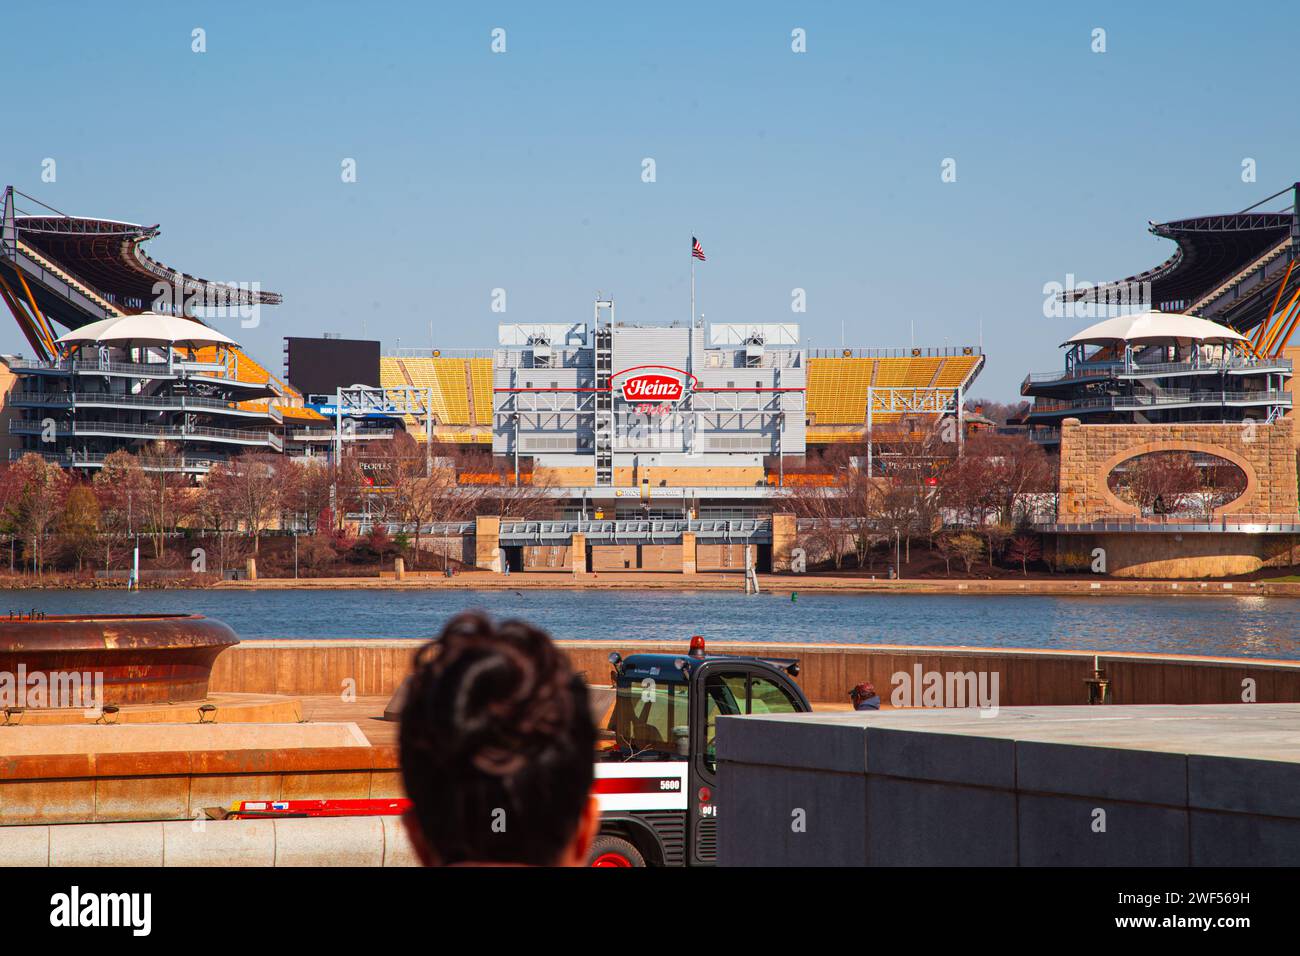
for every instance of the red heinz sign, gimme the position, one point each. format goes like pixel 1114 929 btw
pixel 648 387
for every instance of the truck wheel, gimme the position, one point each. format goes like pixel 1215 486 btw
pixel 614 851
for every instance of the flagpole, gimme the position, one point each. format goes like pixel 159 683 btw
pixel 690 348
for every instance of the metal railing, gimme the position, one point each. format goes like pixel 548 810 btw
pixel 1237 522
pixel 1172 396
pixel 328 434
pixel 428 352
pixel 160 402
pixel 96 459
pixel 948 351
pixel 649 530
pixel 179 433
pixel 1089 371
pixel 1078 373
pixel 138 369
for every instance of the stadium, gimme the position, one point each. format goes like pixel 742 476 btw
pixel 1214 345
pixel 689 431
pixel 596 444
pixel 1175 425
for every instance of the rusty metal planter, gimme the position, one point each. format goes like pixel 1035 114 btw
pixel 144 659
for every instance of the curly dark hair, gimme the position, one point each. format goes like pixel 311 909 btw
pixel 496 744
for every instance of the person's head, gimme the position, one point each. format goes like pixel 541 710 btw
pixel 496 748
pixel 863 691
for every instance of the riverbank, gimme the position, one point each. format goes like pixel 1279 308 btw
pixel 651 581
pixel 779 583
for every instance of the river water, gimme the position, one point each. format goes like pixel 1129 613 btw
pixel 1241 626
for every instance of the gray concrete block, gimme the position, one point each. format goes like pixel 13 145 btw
pixel 25 846
pixel 1235 839
pixel 1058 831
pixel 398 850
pixel 948 758
pixel 1110 773
pixel 329 841
pixel 915 823
pixel 839 747
pixel 1247 786
pixel 219 843
pixel 756 817
pixel 107 844
pixel 1209 785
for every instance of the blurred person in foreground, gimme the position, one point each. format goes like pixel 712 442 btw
pixel 864 697
pixel 496 746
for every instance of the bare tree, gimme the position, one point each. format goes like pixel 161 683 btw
pixel 248 488
pixel 120 487
pixel 947 550
pixel 1024 548
pixel 163 493
pixel 522 502
pixel 306 490
pixel 821 511
pixel 1174 482
pixel 37 505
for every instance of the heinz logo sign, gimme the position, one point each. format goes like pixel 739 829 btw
pixel 652 388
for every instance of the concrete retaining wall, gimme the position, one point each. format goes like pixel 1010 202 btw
pixel 1026 677
pixel 1079 786
pixel 341 841
pixel 1164 556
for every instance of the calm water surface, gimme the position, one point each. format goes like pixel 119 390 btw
pixel 1243 626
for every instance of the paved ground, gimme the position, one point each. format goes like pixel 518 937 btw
pixel 1242 731
pixel 366 712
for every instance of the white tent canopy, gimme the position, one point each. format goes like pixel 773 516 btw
pixel 1168 327
pixel 147 328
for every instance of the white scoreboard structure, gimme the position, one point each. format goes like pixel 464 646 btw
pixel 605 396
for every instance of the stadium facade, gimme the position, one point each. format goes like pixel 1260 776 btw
pixel 611 413
pixel 1213 345
pixel 133 367
pixel 1202 378
pixel 602 414
pixel 612 406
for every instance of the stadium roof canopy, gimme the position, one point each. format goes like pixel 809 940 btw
pixel 63 272
pixel 107 255
pixel 1210 248
pixel 146 328
pixel 1225 267
pixel 1155 326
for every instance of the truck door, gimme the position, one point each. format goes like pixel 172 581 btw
pixel 723 688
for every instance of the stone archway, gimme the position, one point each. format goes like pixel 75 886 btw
pixel 1123 507
pixel 1264 452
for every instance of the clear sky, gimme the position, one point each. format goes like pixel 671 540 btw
pixel 523 170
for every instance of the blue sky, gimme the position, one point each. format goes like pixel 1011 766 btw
pixel 522 170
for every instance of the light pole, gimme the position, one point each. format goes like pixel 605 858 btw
pixel 898 566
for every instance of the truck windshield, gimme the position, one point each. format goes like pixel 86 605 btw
pixel 649 717
pixel 727 694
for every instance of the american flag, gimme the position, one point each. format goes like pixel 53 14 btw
pixel 697 250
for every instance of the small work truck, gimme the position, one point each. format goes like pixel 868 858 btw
pixel 656 762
